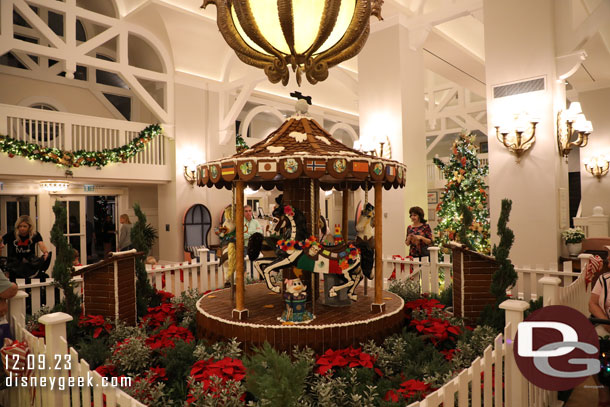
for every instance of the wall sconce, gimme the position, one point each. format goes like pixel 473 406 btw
pixel 598 166
pixel 572 123
pixel 189 174
pixel 522 138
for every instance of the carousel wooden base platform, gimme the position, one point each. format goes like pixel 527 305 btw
pixel 332 328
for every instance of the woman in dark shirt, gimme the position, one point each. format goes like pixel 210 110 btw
pixel 21 243
pixel 419 234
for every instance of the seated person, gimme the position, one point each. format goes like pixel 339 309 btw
pixel 599 306
pixel 7 291
pixel 21 246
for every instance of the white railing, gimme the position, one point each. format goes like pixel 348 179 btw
pixel 49 351
pixel 593 226
pixel 528 285
pixel 74 132
pixel 425 270
pixel 174 278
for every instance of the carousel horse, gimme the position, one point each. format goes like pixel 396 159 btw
pixel 365 239
pixel 297 249
pixel 226 233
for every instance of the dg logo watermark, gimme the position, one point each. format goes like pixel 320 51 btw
pixel 557 348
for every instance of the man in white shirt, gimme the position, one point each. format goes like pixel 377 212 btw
pixel 251 225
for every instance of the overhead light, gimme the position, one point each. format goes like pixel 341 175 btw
pixel 309 36
pixel 54 186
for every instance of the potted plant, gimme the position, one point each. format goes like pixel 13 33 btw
pixel 573 238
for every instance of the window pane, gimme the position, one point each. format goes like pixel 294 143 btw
pixel 11 215
pixel 74 216
pixel 64 205
pixel 24 208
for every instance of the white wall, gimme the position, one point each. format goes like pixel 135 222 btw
pixel 595 193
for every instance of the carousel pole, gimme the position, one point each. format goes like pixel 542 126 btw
pixel 378 306
pixel 345 203
pixel 240 312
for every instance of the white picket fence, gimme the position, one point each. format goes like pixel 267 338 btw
pixel 528 285
pixel 68 380
pixel 175 278
pixel 475 386
pixel 426 270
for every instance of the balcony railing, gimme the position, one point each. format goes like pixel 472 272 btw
pixel 72 132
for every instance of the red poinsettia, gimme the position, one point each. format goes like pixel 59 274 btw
pixel 107 371
pixel 408 390
pixel 437 330
pixel 157 316
pixel 349 357
pixel 39 331
pixel 166 337
pixel 449 353
pixel 165 296
pixel 95 321
pixel 226 369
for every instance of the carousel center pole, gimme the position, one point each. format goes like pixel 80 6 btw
pixel 240 312
pixel 344 213
pixel 378 305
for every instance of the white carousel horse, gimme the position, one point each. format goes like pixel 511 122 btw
pixel 307 254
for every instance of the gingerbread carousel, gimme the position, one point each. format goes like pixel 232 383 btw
pixel 300 159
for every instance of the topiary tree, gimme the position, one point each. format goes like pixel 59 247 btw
pixel 62 269
pixel 143 236
pixel 505 276
pixel 462 211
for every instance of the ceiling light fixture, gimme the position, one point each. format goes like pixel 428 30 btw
pixel 309 35
pixel 54 186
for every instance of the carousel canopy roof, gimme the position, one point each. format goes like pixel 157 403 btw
pixel 300 147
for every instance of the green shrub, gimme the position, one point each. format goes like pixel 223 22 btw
pixel 272 377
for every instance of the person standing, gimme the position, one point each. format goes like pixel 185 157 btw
pixel 251 225
pixel 108 234
pixel 419 234
pixel 125 233
pixel 21 246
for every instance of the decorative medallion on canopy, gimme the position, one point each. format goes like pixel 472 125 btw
pixel 302 148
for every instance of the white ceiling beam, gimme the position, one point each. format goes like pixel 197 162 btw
pixel 100 39
pixel 6 21
pixel 146 98
pixel 590 26
pixel 228 120
pixel 80 12
pixel 37 23
pixel 446 13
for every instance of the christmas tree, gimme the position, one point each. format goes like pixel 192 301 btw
pixel 143 236
pixel 462 212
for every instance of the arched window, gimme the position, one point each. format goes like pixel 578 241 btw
pixel 197 225
pixel 39 130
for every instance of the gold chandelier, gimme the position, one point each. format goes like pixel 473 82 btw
pixel 309 35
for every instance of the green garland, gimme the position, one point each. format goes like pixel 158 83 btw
pixel 81 157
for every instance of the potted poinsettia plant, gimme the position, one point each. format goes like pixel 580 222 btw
pixel 573 238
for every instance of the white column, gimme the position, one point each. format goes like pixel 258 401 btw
pixel 391 91
pixel 550 290
pixel 516 385
pixel 16 312
pixel 56 344
pixel 513 54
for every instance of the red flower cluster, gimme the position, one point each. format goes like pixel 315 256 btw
pixel 156 316
pixel 349 357
pixel 438 330
pixel 226 369
pixel 107 371
pixel 425 304
pixel 165 296
pixel 408 390
pixel 39 331
pixel 449 353
pixel 95 321
pixel 166 337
